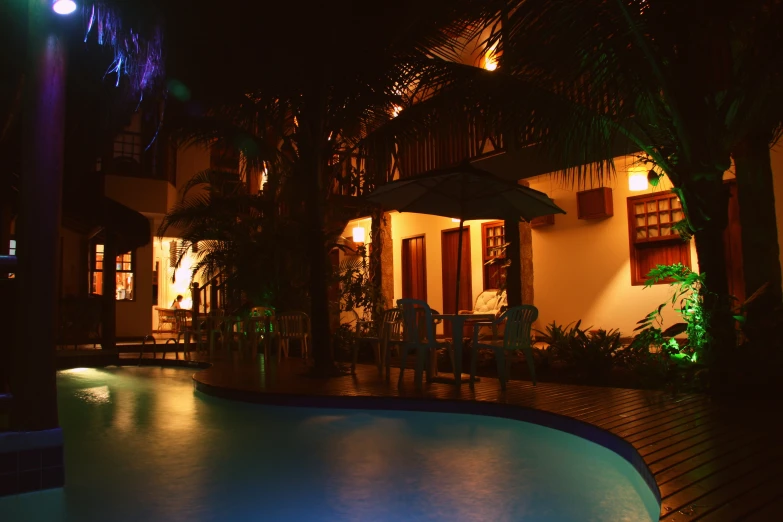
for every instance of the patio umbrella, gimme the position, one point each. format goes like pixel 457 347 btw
pixel 463 192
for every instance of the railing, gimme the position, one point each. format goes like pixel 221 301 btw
pixel 448 143
pixel 131 157
pixel 211 297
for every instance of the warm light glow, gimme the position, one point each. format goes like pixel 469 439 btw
pixel 64 7
pixel 396 111
pixel 264 176
pixel 76 370
pixel 358 234
pixel 490 60
pixel 455 220
pixel 637 179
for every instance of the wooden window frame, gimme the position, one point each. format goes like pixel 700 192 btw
pixel 672 239
pixel 485 256
pixel 121 257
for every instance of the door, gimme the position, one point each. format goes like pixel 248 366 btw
pixel 414 269
pixel 450 243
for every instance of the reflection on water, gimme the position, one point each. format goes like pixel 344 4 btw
pixel 142 445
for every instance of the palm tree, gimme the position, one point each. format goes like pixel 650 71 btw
pixel 688 84
pixel 239 238
pixel 318 80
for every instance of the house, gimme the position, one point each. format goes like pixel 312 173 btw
pixel 589 264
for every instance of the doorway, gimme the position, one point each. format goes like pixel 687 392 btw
pixel 414 268
pixel 450 244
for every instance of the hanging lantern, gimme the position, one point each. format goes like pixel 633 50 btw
pixel 63 7
pixel 637 179
pixel 653 178
pixel 358 234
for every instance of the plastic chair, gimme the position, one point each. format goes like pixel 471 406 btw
pixel 418 333
pixel 387 330
pixel 259 327
pixel 293 325
pixel 518 321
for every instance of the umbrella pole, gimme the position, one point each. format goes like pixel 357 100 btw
pixel 459 262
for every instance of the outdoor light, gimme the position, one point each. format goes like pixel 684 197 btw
pixel 63 7
pixel 490 60
pixel 358 235
pixel 637 179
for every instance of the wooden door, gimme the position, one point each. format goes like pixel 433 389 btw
pixel 450 243
pixel 414 268
pixel 732 243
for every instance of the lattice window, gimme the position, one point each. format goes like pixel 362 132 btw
pixel 654 217
pixel 652 238
pixel 493 236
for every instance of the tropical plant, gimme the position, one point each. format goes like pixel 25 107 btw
pixel 239 238
pixel 591 354
pixel 357 289
pixel 688 301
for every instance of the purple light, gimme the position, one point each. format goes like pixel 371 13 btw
pixel 63 7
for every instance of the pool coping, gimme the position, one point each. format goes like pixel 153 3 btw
pixel 556 421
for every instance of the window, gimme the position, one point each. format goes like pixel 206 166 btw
pixel 653 241
pixel 128 145
pixel 124 265
pixel 493 237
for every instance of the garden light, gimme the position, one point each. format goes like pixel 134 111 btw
pixel 63 7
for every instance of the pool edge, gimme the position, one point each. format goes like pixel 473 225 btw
pixel 563 423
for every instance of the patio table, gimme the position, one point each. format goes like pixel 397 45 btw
pixel 457 326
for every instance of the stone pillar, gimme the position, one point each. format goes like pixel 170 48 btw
pixel 38 232
pixel 526 261
pixel 387 261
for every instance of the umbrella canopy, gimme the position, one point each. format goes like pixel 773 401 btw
pixel 463 192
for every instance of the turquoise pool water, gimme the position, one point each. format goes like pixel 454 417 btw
pixel 141 445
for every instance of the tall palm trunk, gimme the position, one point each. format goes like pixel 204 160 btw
pixel 760 249
pixel 313 162
pixel 706 202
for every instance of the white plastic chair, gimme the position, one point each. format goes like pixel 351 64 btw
pixel 293 325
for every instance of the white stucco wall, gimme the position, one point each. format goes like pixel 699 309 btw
pixel 405 225
pixel 582 268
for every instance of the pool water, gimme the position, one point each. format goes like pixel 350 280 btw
pixel 142 445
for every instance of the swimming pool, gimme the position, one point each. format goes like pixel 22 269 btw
pixel 141 445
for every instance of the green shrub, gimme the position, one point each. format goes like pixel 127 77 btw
pixel 591 354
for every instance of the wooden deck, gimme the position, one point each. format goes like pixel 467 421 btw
pixel 711 461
